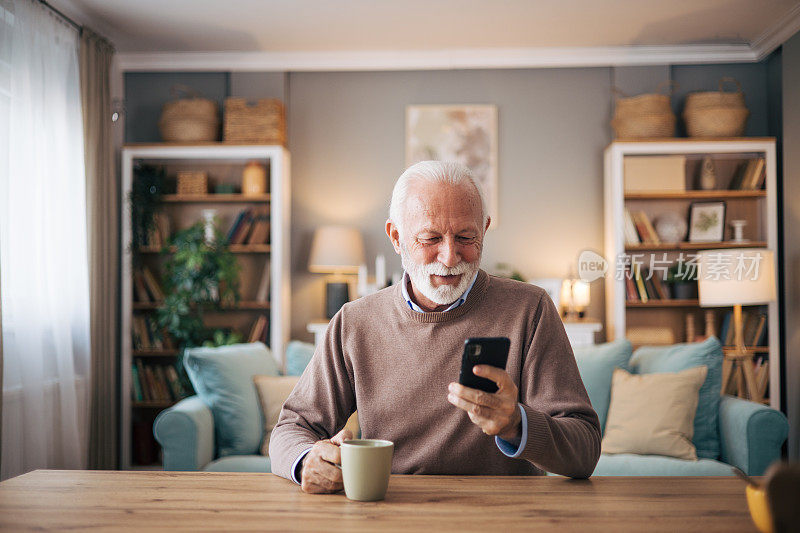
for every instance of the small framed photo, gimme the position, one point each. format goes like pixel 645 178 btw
pixel 706 221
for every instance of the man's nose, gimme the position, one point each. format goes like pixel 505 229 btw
pixel 448 253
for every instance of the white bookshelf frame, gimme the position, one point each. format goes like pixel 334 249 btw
pixel 279 255
pixel 614 233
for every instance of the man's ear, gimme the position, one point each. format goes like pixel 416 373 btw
pixel 394 235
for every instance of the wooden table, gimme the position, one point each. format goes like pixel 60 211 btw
pixel 90 500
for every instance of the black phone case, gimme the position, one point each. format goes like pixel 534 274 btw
pixel 492 351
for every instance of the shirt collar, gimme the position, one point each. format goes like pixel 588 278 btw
pixel 415 307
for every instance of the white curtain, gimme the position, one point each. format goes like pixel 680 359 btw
pixel 44 291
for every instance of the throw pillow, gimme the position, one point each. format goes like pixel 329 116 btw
pixel 273 392
pixel 653 414
pixel 596 363
pixel 223 379
pixel 298 355
pixel 651 359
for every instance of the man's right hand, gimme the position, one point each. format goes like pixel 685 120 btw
pixel 320 475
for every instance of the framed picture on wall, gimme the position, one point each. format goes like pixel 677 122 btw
pixel 463 133
pixel 706 221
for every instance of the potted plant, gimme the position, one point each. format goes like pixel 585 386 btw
pixel 201 274
pixel 682 280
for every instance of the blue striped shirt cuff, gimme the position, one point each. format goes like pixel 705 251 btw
pixel 508 448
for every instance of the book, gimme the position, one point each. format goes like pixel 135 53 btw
pixel 235 226
pixel 758 332
pixel 174 382
pixel 143 381
pixel 152 388
pixel 637 274
pixel 257 331
pixel 631 237
pixel 646 231
pixel 723 330
pixel 660 289
pixel 140 293
pixel 163 386
pixel 136 385
pixel 630 289
pixel 260 232
pixel 263 286
pixel 755 168
pixel 650 229
pixel 153 288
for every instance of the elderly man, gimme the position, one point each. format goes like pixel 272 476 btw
pixel 395 355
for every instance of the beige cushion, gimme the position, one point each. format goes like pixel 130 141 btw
pixel 272 394
pixel 653 414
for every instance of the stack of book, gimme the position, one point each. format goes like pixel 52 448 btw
pixel 641 285
pixel 146 335
pixel 639 229
pixel 749 176
pixel 156 383
pixel 249 227
pixel 754 328
pixel 145 286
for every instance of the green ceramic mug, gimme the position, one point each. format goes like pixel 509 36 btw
pixel 366 465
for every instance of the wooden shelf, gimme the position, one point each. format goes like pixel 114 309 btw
pixel 155 353
pixel 695 195
pixel 664 303
pixel 152 405
pixel 234 248
pixel 241 306
pixel 214 198
pixel 694 246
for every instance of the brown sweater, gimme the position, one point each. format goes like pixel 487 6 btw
pixel 394 364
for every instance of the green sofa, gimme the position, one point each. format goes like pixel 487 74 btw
pixel 728 431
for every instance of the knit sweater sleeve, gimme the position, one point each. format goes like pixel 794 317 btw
pixel 563 429
pixel 319 405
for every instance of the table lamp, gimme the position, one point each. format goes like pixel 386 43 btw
pixel 336 250
pixel 737 277
pixel 574 297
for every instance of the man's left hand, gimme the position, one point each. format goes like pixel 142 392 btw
pixel 495 413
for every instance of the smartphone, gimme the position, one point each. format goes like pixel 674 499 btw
pixel 483 351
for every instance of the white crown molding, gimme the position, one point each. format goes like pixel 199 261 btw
pixel 773 37
pixel 461 58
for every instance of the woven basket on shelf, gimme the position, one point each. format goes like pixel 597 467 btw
pixel 192 182
pixel 194 119
pixel 645 115
pixel 716 113
pixel 263 122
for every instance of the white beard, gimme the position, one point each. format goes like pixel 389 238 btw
pixel 420 275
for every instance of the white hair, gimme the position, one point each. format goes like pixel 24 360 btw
pixel 449 172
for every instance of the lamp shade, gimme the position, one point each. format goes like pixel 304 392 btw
pixel 744 276
pixel 575 293
pixel 336 250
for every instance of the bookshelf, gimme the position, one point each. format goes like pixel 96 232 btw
pixel 626 316
pixel 224 164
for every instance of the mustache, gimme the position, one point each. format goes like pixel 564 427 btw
pixel 438 269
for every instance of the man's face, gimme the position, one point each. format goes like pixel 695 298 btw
pixel 441 242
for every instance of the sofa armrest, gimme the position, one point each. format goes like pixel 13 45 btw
pixel 751 434
pixel 185 432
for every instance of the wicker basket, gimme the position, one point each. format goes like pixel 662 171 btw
pixel 192 182
pixel 194 119
pixel 716 113
pixel 645 115
pixel 261 123
pixel 719 98
pixel 652 126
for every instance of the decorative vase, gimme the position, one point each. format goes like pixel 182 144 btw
pixel 708 174
pixel 684 290
pixel 671 227
pixel 254 179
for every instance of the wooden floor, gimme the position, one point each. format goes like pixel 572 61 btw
pixel 192 501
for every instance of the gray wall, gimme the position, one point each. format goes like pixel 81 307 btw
pixel 791 237
pixel 346 134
